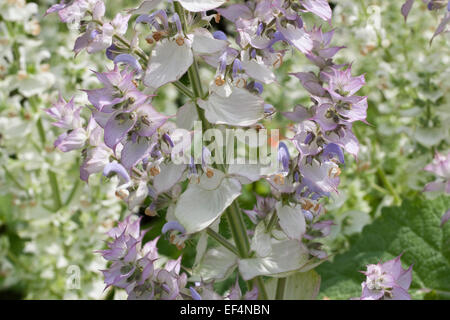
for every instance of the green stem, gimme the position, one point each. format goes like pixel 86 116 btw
pixel 281 287
pixel 272 222
pixel 41 131
pixel 219 238
pixel 194 78
pixel 388 185
pixel 238 230
pixel 262 288
pixel 55 189
pixel 183 89
pixel 72 193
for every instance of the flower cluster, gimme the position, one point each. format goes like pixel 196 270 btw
pixel 432 5
pixel 387 281
pixel 126 136
pixel 135 267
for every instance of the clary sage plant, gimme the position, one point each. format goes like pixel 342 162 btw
pixel 190 167
pixel 224 149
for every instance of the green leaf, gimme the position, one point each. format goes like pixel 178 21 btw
pixel 299 286
pixel 412 229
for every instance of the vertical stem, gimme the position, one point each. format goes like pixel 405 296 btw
pixel 41 132
pixel 72 193
pixel 281 287
pixel 262 288
pixel 55 189
pixel 388 185
pixel 238 230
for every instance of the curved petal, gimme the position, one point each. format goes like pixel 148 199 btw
pixel 170 175
pixel 292 221
pixel 285 256
pixel 198 208
pixel 116 129
pixel 168 63
pixel 299 38
pixel 241 108
pixel 133 152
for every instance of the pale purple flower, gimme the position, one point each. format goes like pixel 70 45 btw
pixel 95 160
pixel 66 114
pixel 263 207
pixel 71 140
pixel 133 266
pixel 440 166
pixel 321 8
pixel 73 11
pixel 321 53
pixel 387 281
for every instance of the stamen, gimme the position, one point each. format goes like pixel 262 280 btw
pixel 209 173
pixel 149 40
pixel 217 17
pixel 149 212
pixel 157 36
pixel 154 171
pixel 219 81
pixel 180 41
pixel 279 179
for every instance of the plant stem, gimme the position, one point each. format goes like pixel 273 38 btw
pixel 281 287
pixel 272 222
pixel 55 189
pixel 41 132
pixel 72 193
pixel 219 238
pixel 183 89
pixel 388 185
pixel 262 288
pixel 238 230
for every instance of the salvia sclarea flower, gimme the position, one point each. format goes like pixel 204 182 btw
pixel 136 267
pixel 126 137
pixel 387 281
pixel 432 5
pixel 440 166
